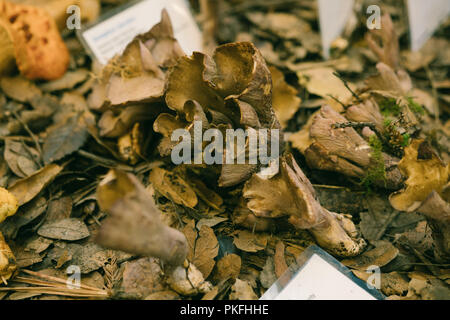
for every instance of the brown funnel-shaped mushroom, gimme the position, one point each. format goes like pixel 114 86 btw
pixel 289 193
pixel 134 224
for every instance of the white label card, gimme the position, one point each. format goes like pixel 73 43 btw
pixel 424 17
pixel 333 16
pixel 318 279
pixel 110 36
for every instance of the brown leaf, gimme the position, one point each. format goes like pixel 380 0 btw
pixel 381 255
pixel 279 260
pixel 19 88
pixel 69 229
pixel 228 267
pixel 173 187
pixel 65 138
pixel 425 172
pixel 250 242
pixel 206 249
pixel 241 290
pixel 26 189
pixel 22 159
pixel 284 97
pixel 68 81
pixel 140 278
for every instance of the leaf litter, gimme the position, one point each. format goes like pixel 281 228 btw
pixel 86 173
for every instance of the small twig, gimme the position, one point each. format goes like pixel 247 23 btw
pixel 337 100
pixel 44 276
pixel 347 86
pixel 108 163
pixel 355 125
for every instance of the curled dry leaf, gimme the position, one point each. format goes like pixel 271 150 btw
pixel 40 52
pixel 26 189
pixel 8 204
pixel 140 278
pixel 425 172
pixel 203 247
pixel 206 249
pixel 22 159
pixel 323 82
pixel 242 290
pixel 383 253
pixel 173 187
pixel 188 281
pixel 7 261
pixel 228 267
pixel 69 229
pixel 437 213
pixel 137 75
pixel 134 224
pixel 250 242
pixel 19 88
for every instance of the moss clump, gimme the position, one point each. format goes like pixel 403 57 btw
pixel 377 170
pixel 389 107
pixel 415 107
pixel 406 139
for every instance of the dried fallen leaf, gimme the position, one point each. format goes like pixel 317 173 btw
pixel 70 229
pixel 323 82
pixel 19 88
pixel 206 249
pixel 66 137
pixel 26 189
pixel 68 81
pixel 383 253
pixel 425 172
pixel 284 97
pixel 188 281
pixel 267 275
pixel 228 267
pixel 279 260
pixel 173 187
pixel 250 242
pixel 22 159
pixel 140 278
pixel 242 290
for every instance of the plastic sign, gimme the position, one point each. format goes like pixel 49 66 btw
pixel 318 276
pixel 116 29
pixel 424 18
pixel 333 16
